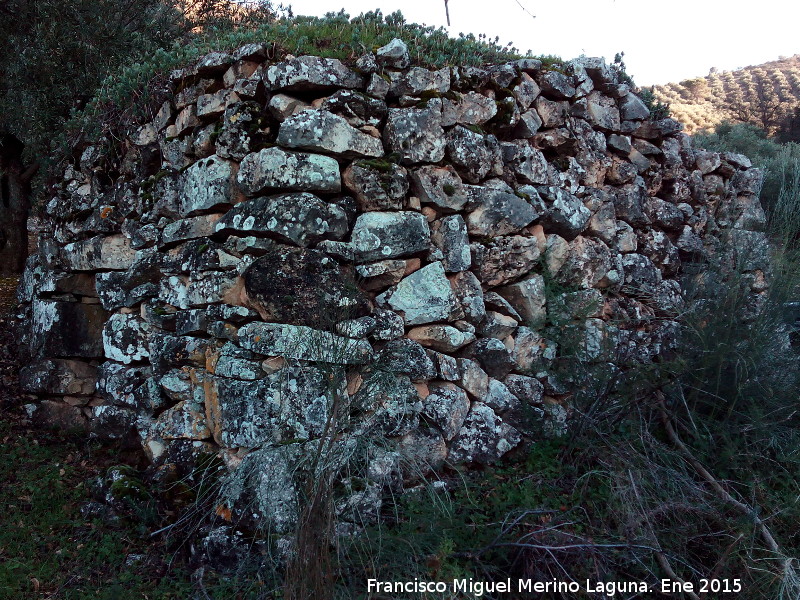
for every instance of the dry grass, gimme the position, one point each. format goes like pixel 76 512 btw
pixel 8 289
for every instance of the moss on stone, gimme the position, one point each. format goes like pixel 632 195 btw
pixel 379 164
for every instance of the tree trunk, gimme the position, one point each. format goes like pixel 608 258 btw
pixel 15 191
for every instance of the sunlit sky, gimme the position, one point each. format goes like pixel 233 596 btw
pixel 663 40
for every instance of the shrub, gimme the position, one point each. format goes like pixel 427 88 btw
pixel 778 161
pixel 658 110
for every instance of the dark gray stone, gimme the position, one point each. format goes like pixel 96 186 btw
pixel 68 329
pixel 474 155
pixel 505 258
pixel 322 131
pixel 499 213
pixel 377 184
pixel 416 134
pixel 302 287
pixel 303 343
pixel 484 437
pixel 407 357
pixel 492 356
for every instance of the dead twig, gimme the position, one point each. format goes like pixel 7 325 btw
pixel 661 559
pixel 766 535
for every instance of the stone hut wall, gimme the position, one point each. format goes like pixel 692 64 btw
pixel 294 248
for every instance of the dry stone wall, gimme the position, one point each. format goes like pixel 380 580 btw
pixel 298 249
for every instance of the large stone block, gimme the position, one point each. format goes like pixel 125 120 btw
pixel 474 155
pixel 103 253
pixel 299 218
pixel 303 343
pixel 68 329
pixel 505 258
pixel 499 213
pixel 126 288
pixel 440 186
pixel 322 131
pixel 377 185
pixel 208 185
pixel 275 168
pixel 311 73
pixel 382 235
pixel 290 404
pixel 302 287
pixel 416 134
pixel 425 296
pixel 58 376
pixel 450 236
pixel 483 438
pixel 447 406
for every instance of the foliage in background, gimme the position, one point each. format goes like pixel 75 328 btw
pixel 658 109
pixel 54 55
pixel 778 161
pixel 763 95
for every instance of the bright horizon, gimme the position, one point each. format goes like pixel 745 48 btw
pixel 680 41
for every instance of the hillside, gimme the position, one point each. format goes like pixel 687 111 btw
pixel 759 94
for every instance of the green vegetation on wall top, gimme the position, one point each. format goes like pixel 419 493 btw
pixel 335 35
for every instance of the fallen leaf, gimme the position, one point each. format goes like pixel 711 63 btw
pixel 224 512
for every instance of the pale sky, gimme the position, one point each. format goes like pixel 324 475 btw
pixel 663 40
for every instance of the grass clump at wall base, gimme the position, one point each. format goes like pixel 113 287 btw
pixel 622 507
pixel 52 548
pixel 48 549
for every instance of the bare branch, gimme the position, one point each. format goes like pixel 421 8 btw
pixel 789 571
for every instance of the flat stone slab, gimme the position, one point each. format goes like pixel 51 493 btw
pixel 383 235
pixel 303 343
pixel 113 252
pixel 311 73
pixel 272 168
pixel 323 131
pixel 500 213
pixel 302 218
